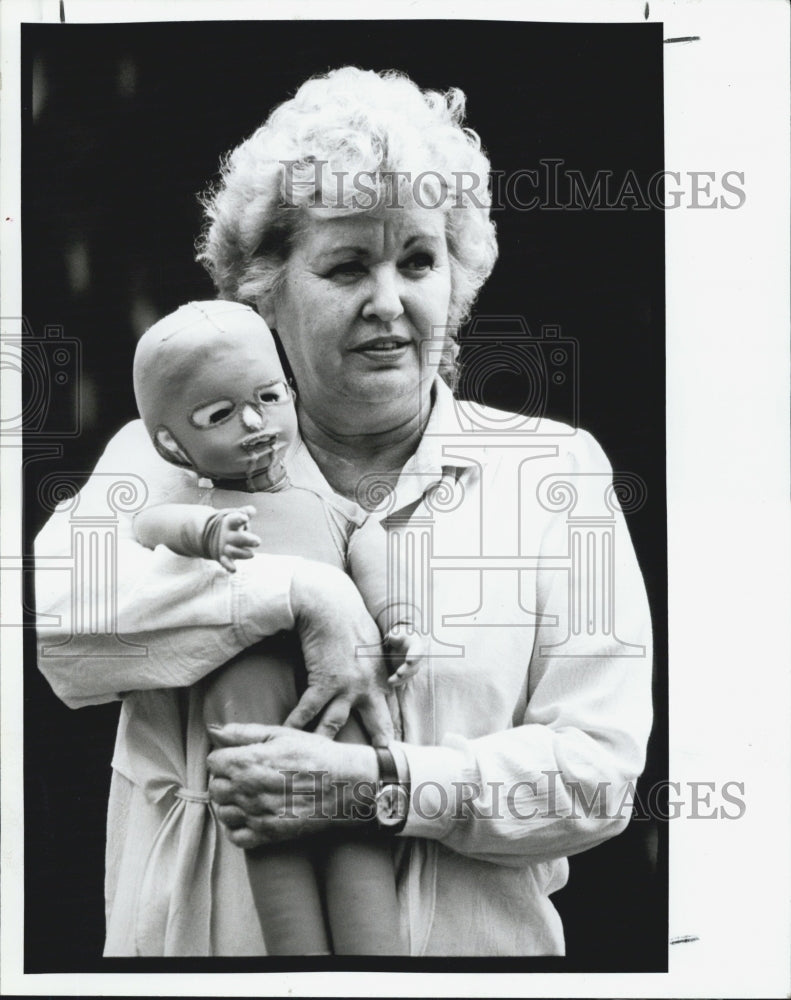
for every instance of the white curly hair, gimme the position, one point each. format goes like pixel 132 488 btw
pixel 384 138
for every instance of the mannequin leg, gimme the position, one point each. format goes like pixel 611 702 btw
pixel 258 685
pixel 360 888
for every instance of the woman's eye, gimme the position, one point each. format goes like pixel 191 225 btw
pixel 347 269
pixel 273 393
pixel 419 262
pixel 212 413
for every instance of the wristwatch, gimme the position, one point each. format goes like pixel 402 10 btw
pixel 392 795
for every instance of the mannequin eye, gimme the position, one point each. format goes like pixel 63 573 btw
pixel 275 393
pixel 212 413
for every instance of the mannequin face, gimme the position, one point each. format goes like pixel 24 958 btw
pixel 231 416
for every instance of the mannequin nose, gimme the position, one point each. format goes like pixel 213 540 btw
pixel 252 419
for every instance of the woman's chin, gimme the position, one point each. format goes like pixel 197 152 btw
pixel 387 385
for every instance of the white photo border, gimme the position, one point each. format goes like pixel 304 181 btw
pixel 726 102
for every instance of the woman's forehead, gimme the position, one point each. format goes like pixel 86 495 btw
pixel 326 230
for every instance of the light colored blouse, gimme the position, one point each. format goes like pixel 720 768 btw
pixel 524 730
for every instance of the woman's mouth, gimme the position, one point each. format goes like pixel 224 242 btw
pixel 383 348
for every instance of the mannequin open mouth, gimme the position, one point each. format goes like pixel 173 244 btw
pixel 257 445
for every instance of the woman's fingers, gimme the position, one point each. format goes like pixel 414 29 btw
pixel 307 708
pixel 239 734
pixel 267 780
pixel 375 717
pixel 334 718
pixel 232 816
pixel 244 838
pixel 220 791
pixel 247 797
pixel 237 829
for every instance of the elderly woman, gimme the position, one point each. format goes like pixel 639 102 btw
pixel 356 222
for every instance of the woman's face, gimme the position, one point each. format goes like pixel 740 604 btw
pixel 361 293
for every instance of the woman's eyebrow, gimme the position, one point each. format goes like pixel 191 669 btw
pixel 334 251
pixel 361 251
pixel 422 238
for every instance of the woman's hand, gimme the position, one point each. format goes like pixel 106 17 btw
pixel 333 623
pixel 270 784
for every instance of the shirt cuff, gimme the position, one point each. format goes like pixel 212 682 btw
pixel 435 773
pixel 261 589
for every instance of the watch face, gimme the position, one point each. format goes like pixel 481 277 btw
pixel 392 803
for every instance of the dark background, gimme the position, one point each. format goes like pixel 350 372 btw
pixel 122 126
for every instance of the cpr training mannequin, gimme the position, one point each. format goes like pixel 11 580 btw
pixel 212 393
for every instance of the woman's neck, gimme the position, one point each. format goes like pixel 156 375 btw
pixel 346 457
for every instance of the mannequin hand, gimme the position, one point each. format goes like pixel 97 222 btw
pixel 233 540
pixel 405 647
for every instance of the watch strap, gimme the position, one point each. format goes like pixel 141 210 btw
pixel 388 772
pixel 388 775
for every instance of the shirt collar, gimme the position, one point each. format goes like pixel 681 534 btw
pixel 443 423
pixel 422 470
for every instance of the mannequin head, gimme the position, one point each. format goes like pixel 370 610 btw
pixel 212 393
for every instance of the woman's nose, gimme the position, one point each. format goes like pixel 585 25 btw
pixel 252 418
pixel 384 301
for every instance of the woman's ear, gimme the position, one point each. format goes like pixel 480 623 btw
pixel 169 448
